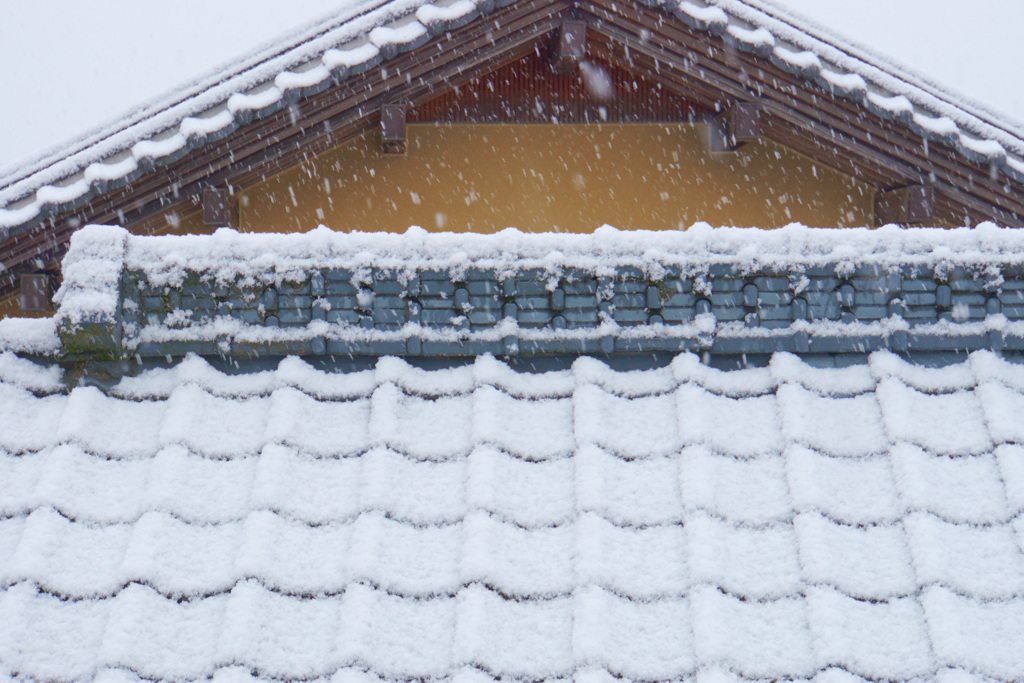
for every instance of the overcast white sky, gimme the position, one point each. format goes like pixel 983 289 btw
pixel 69 65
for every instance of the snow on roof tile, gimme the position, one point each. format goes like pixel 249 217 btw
pixel 359 32
pixel 403 523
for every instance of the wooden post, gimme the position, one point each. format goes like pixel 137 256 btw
pixel 733 128
pixel 35 293
pixel 744 123
pixel 392 128
pixel 219 208
pixel 570 47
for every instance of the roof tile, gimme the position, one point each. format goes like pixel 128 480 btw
pixel 1003 407
pixel 752 490
pixel 535 429
pixel 199 488
pixel 29 423
pixel 984 562
pixel 321 428
pixel 631 428
pixel 851 491
pixel 948 424
pixel 985 637
pixel 628 492
pixel 847 427
pixel 644 563
pixel 636 639
pixel 305 488
pixel 435 429
pixel 757 639
pixel 887 638
pixel 211 426
pixel 114 427
pixel 744 427
pixel 419 491
pixel 529 494
pixel 868 562
pixel 753 563
pixel 522 639
pixel 45 637
pixel 965 489
pixel 1011 469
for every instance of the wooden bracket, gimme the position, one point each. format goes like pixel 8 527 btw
pixel 744 123
pixel 392 128
pixel 735 127
pixel 570 47
pixel 906 205
pixel 219 208
pixel 35 292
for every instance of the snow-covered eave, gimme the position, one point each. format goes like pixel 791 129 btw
pixel 885 83
pixel 367 31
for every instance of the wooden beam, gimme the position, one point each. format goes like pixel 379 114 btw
pixel 392 128
pixel 486 100
pixel 570 47
pixel 906 205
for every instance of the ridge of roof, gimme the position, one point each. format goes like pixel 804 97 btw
pixel 327 51
pixel 446 295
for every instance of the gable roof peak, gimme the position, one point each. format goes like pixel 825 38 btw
pixel 364 33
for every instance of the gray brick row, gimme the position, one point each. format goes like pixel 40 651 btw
pixel 478 298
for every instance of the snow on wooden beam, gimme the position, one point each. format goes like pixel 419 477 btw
pixel 218 208
pixel 906 205
pixel 570 47
pixel 392 128
pixel 733 128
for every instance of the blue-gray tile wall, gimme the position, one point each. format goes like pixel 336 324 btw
pixel 476 299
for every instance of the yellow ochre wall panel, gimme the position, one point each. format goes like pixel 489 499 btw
pixel 10 307
pixel 567 177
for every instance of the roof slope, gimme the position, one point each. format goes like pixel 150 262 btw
pixel 476 523
pixel 364 29
pixel 369 33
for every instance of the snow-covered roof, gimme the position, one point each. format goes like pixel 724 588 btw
pixel 365 31
pixel 478 523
